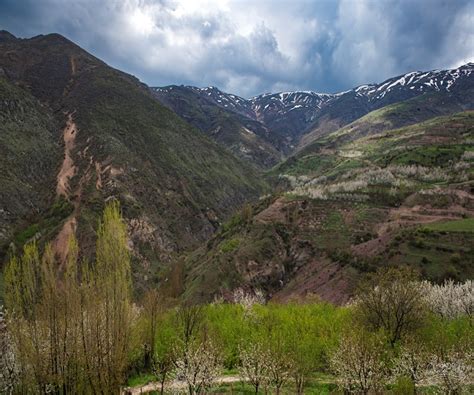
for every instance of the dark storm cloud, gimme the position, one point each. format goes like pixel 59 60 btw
pixel 249 47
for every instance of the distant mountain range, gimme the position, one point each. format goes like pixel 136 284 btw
pixel 289 120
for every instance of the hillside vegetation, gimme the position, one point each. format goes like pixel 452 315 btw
pixel 352 204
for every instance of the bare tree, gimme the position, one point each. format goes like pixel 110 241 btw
pixel 393 301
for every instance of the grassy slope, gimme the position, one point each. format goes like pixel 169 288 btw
pixel 29 158
pixel 400 114
pixel 462 225
pixel 421 144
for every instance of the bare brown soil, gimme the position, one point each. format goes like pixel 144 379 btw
pixel 68 169
pixel 273 213
pixel 321 278
pixel 61 243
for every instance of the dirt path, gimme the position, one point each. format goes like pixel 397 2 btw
pixel 174 386
pixel 67 171
pixel 73 65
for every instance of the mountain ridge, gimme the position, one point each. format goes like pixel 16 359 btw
pixel 295 118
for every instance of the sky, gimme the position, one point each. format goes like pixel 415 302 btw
pixel 249 47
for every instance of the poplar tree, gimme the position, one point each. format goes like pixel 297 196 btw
pixel 70 323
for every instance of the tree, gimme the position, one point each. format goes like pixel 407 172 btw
pixel 358 362
pixel 450 300
pixel 72 327
pixel 305 352
pixel 151 306
pixel 163 365
pixel 164 356
pixel 105 304
pixel 412 362
pixel 280 368
pixel 188 324
pixel 453 371
pixel 393 301
pixel 8 360
pixel 199 365
pixel 254 364
pixel 197 360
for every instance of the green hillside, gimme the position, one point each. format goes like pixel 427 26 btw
pixel 29 158
pixel 175 184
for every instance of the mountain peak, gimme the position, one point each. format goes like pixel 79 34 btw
pixel 6 36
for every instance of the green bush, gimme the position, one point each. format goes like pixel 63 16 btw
pixel 230 245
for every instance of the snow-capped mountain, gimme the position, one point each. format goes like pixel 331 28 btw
pixel 285 117
pixel 418 82
pixel 214 95
pixel 456 85
pixel 258 107
pixel 268 105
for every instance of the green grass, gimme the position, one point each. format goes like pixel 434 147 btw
pixel 140 379
pixel 22 237
pixel 462 225
pixel 430 155
pixel 312 387
pixel 437 255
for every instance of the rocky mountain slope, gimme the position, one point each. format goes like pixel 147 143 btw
pixel 455 86
pixel 76 133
